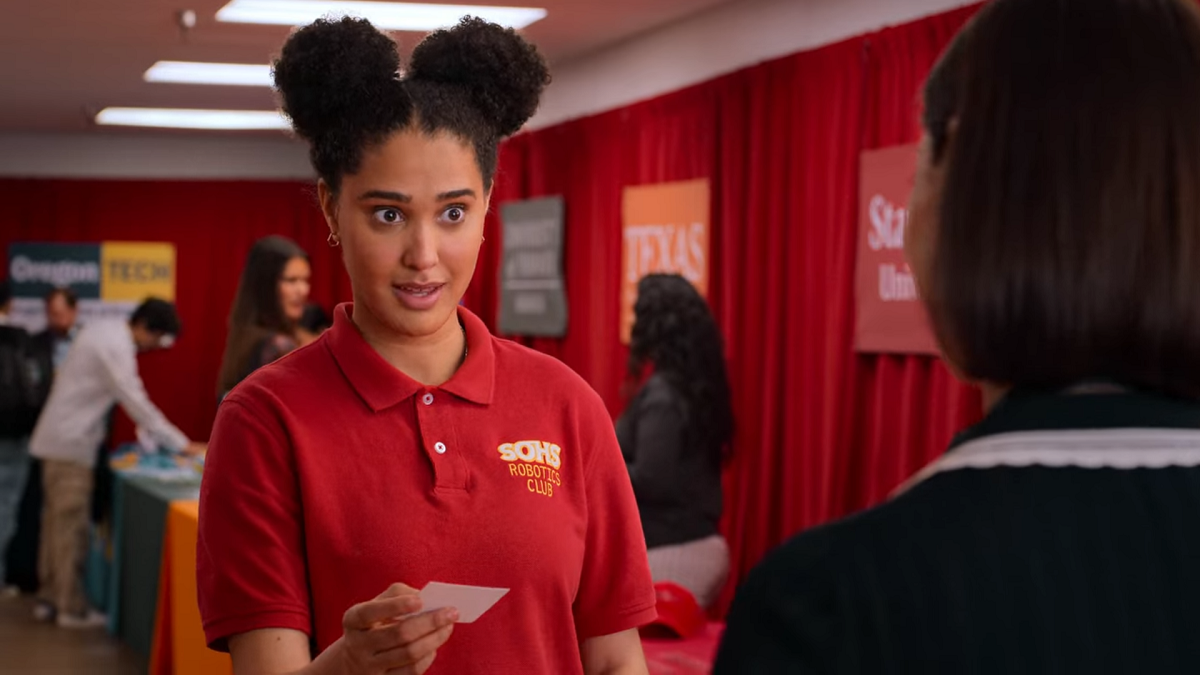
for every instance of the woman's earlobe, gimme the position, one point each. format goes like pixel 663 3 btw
pixel 328 204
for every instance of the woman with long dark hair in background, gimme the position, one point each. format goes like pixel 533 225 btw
pixel 675 434
pixel 270 301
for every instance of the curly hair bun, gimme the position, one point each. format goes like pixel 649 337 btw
pixel 337 72
pixel 503 72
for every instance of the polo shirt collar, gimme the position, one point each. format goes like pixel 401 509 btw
pixel 1042 410
pixel 475 380
pixel 382 386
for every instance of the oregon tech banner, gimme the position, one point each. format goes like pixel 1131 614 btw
pixel 111 278
pixel 665 228
pixel 889 317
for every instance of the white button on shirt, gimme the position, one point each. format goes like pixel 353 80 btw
pixel 428 399
pixel 100 370
pixel 439 448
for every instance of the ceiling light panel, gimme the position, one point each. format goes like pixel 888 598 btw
pixel 185 72
pixel 180 118
pixel 403 16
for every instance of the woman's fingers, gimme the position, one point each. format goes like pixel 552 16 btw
pixel 415 652
pixel 368 615
pixel 408 631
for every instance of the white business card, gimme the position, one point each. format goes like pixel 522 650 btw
pixel 470 601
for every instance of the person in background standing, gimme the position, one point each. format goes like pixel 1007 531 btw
pixel 24 383
pixel 61 306
pixel 62 309
pixel 265 318
pixel 101 370
pixel 675 434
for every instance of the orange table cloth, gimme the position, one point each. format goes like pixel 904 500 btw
pixel 179 647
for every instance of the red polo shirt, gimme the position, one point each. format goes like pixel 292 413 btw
pixel 331 475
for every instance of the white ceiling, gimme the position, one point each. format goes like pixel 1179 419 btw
pixel 63 60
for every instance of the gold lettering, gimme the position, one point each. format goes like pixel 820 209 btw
pixel 540 487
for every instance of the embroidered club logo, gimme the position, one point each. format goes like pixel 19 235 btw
pixel 537 462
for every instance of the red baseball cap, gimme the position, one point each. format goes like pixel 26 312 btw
pixel 679 614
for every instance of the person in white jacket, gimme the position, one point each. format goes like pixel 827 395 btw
pixel 101 370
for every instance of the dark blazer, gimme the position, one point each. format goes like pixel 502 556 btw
pixel 29 376
pixel 677 481
pixel 1060 535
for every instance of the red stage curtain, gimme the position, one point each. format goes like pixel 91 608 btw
pixel 212 225
pixel 909 407
pixel 822 431
pixel 787 237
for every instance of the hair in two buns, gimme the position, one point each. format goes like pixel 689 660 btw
pixel 340 84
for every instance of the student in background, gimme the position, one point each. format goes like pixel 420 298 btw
pixel 24 383
pixel 675 434
pixel 1054 232
pixel 61 305
pixel 101 370
pixel 264 323
pixel 62 309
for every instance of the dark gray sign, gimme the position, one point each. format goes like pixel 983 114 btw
pixel 532 295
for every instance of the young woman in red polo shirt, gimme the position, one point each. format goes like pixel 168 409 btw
pixel 407 445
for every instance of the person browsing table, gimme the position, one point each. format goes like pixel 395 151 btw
pixel 100 371
pixel 407 445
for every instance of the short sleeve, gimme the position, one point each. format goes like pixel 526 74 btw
pixel 250 564
pixel 615 589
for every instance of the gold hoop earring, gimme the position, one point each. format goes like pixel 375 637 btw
pixel 333 240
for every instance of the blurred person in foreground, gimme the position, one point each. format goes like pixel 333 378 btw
pixel 264 323
pixel 100 371
pixel 675 433
pixel 1054 231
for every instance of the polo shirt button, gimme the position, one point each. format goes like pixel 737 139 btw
pixel 439 448
pixel 428 399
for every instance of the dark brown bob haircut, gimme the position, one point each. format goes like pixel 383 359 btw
pixel 1069 239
